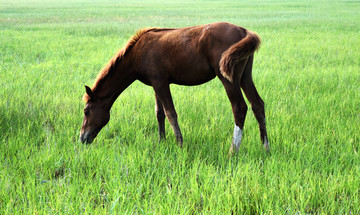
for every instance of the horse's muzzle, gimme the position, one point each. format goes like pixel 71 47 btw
pixel 87 137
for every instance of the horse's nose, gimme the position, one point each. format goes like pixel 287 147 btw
pixel 82 137
pixel 85 137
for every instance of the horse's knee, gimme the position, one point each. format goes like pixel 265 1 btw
pixel 171 115
pixel 159 112
pixel 160 115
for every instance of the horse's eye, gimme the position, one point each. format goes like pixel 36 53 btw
pixel 86 112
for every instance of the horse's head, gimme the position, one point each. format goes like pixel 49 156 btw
pixel 96 116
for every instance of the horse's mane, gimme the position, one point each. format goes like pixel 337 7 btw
pixel 108 69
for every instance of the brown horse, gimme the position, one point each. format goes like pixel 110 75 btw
pixel 186 56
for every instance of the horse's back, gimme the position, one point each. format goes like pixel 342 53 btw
pixel 187 56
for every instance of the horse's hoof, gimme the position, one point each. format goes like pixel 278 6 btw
pixel 267 147
pixel 233 150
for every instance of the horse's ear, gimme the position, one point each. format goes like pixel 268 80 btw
pixel 90 93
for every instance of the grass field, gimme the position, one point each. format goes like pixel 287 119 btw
pixel 307 72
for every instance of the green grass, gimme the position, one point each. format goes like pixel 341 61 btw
pixel 307 72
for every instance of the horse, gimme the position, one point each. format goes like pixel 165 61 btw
pixel 186 56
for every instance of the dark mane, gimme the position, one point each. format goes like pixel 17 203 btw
pixel 108 69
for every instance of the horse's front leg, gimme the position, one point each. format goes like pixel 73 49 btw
pixel 160 116
pixel 163 94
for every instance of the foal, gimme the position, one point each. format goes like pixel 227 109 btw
pixel 186 56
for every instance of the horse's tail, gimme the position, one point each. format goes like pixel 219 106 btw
pixel 237 52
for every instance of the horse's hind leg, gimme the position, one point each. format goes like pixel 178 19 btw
pixel 255 100
pixel 238 105
pixel 160 116
pixel 163 94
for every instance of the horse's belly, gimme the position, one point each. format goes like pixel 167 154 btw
pixel 192 71
pixel 192 77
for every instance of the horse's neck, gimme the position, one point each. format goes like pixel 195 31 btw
pixel 113 86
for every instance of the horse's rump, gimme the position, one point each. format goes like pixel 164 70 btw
pixel 237 52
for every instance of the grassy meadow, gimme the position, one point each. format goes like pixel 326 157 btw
pixel 307 72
